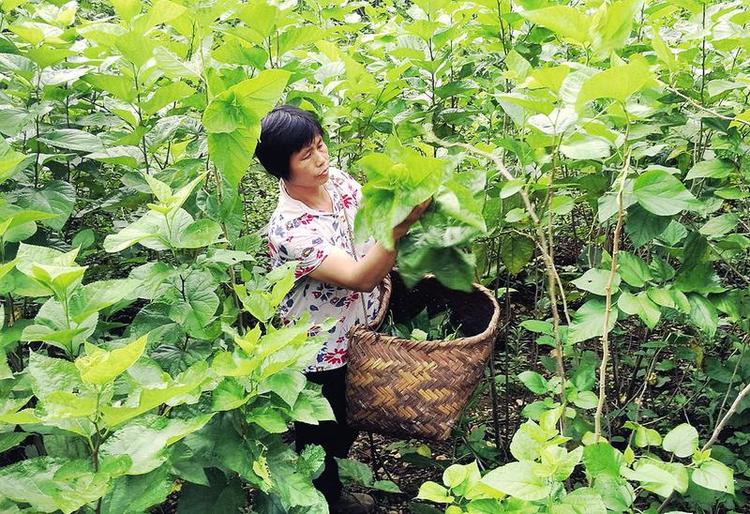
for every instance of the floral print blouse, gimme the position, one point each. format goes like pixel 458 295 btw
pixel 297 232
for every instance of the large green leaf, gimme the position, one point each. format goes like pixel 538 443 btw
pixel 633 269
pixel 517 479
pixel 682 440
pixel 49 375
pixel 588 321
pixel 50 484
pixel 57 198
pixel 101 366
pixel 52 326
pixel 148 398
pixel 567 21
pixel 618 82
pixel 662 194
pixel 222 494
pixel 714 168
pixel 149 230
pixel 73 139
pixel 232 152
pixel 596 281
pixel 515 252
pixel 96 296
pixel 703 314
pixel 146 441
pixel 136 494
pixel 714 475
pixel 11 162
pixel 641 305
pixel 612 25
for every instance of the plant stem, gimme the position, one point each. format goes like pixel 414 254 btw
pixel 542 243
pixel 608 304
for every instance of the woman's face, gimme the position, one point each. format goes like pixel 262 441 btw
pixel 309 166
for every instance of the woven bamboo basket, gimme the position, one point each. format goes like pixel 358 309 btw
pixel 408 388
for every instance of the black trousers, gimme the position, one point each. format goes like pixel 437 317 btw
pixel 336 437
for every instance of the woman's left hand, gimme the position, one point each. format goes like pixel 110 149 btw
pixel 402 228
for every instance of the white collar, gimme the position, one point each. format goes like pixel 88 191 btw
pixel 294 208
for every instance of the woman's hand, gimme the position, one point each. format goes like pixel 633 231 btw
pixel 402 228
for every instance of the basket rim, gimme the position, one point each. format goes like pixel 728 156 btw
pixel 488 332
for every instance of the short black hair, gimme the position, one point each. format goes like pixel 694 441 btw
pixel 285 130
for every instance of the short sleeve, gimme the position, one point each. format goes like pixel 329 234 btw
pixel 305 246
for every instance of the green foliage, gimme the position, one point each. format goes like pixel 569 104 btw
pixel 537 480
pixel 138 325
pixel 424 327
pixel 401 179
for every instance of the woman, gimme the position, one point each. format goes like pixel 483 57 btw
pixel 312 224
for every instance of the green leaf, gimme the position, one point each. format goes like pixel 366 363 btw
pixel 699 278
pixel 641 305
pixel 703 314
pixel 73 139
pixel 682 440
pixel 287 384
pixel 268 418
pixel 147 230
pixel 200 233
pixel 719 225
pixel 11 162
pixel 57 198
pixel 232 152
pixel 434 492
pixel 554 123
pixel 596 281
pixel 586 400
pixel 165 95
pixel 354 471
pixel 517 479
pixel 225 494
pixel 196 303
pixel 633 270
pixel 662 194
pixel 585 500
pixel 10 440
pixel 714 475
pixel 146 440
pixel 229 395
pixel 49 484
pixel 644 436
pixel 617 493
pixel 714 168
pixel 653 478
pixel 642 226
pixel 588 321
pixel 136 494
pixel 618 82
pixel 50 375
pixel 151 397
pixel 119 86
pixel 101 366
pixel 602 459
pixel 613 24
pixel 516 252
pixel 127 9
pixel 96 296
pixel 662 51
pixel 386 486
pixel 585 147
pixel 565 21
pixel 535 382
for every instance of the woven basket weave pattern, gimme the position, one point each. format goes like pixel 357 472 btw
pixel 412 388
